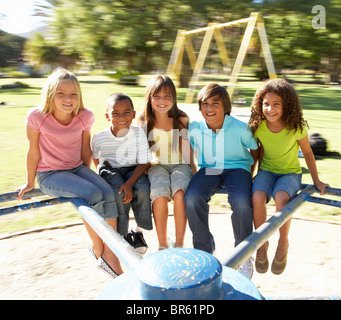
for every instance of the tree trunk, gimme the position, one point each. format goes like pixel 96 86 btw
pixel 334 70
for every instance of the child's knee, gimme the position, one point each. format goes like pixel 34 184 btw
pixel 141 194
pixel 179 195
pixel 282 198
pixel 240 201
pixel 194 199
pixel 259 197
pixel 93 196
pixel 141 189
pixel 160 205
pixel 119 196
pixel 191 195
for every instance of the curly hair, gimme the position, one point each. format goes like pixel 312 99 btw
pixel 292 111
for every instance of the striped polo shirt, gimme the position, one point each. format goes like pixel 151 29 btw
pixel 129 150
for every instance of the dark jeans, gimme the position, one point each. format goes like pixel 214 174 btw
pixel 140 202
pixel 203 185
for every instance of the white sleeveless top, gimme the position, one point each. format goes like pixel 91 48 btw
pixel 163 151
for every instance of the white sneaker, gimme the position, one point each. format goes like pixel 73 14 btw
pixel 246 268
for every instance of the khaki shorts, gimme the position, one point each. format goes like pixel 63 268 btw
pixel 166 180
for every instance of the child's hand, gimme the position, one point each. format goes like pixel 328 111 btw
pixel 23 189
pixel 321 186
pixel 128 192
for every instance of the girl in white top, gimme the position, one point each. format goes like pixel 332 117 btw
pixel 172 166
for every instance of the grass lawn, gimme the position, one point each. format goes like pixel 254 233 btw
pixel 321 106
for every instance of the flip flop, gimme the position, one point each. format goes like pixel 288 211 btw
pixel 103 265
pixel 91 249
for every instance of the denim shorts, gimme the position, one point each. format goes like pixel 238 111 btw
pixel 166 180
pixel 270 183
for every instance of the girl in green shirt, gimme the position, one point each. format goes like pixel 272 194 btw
pixel 277 122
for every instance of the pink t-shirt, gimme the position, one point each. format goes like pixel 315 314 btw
pixel 60 145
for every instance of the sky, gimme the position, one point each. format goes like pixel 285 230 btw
pixel 18 16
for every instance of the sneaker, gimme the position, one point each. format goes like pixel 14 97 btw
pixel 129 238
pixel 140 244
pixel 246 268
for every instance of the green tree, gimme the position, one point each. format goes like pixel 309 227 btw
pixel 40 51
pixel 139 33
pixel 295 43
pixel 11 47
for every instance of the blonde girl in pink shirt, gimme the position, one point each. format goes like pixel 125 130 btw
pixel 59 154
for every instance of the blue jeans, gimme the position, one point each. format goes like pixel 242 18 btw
pixel 238 185
pixel 80 182
pixel 140 202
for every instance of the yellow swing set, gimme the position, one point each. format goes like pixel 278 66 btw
pixel 183 41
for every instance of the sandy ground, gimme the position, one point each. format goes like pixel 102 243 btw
pixel 55 264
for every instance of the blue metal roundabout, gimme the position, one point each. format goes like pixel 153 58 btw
pixel 180 274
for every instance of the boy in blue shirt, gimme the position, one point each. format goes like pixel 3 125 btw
pixel 221 143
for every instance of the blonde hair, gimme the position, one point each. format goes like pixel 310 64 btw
pixel 49 90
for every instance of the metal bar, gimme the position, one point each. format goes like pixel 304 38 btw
pixel 242 52
pixel 199 65
pixel 327 202
pixel 190 52
pixel 121 248
pixel 12 196
pixel 266 49
pixel 114 240
pixel 333 191
pixel 33 205
pixel 328 190
pixel 221 47
pixel 215 26
pixel 244 250
pixel 175 61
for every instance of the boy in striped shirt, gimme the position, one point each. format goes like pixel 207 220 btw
pixel 121 155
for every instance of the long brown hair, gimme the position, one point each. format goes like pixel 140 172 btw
pixel 154 86
pixel 292 111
